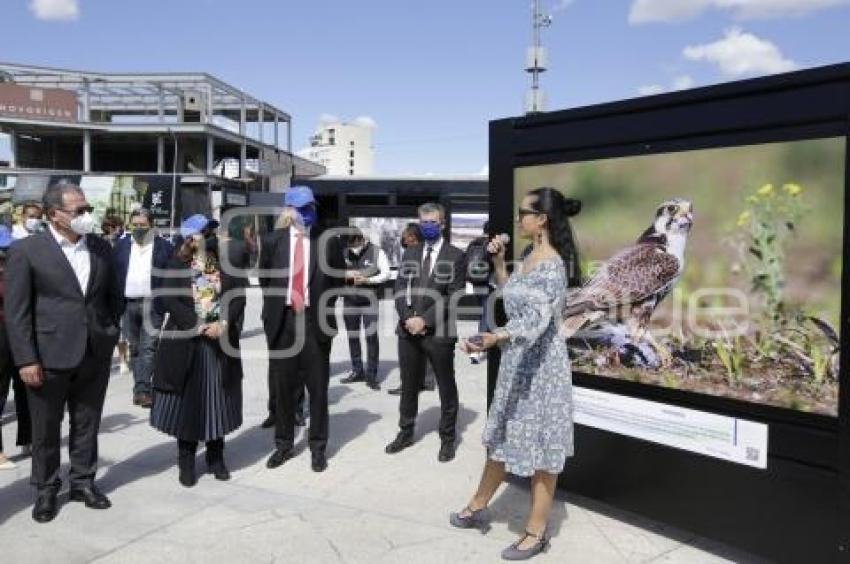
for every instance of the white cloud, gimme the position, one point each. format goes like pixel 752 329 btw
pixel 741 54
pixel 325 119
pixel 645 11
pixel 366 121
pixel 681 82
pixel 561 5
pixel 55 10
pixel 485 171
pixel 651 90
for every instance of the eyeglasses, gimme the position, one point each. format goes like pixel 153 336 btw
pixel 522 212
pixel 79 211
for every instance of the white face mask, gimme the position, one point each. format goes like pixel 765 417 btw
pixel 33 225
pixel 83 224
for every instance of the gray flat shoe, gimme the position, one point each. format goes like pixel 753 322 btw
pixel 513 552
pixel 479 519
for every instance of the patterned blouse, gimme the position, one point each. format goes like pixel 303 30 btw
pixel 206 288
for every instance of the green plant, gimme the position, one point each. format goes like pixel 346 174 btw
pixel 730 351
pixel 770 217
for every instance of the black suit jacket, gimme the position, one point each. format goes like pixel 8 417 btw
pixel 323 286
pixel 49 320
pixel 448 278
pixel 174 354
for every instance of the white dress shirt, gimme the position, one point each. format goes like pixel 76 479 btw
pixel 436 246
pixel 139 271
pixel 435 252
pixel 78 257
pixel 293 241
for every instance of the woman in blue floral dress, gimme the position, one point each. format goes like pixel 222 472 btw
pixel 529 429
pixel 198 376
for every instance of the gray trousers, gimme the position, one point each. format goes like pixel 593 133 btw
pixel 142 343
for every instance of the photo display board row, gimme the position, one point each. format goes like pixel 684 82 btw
pixel 715 398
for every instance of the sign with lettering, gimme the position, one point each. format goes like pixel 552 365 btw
pixel 45 104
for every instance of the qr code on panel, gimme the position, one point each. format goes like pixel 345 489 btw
pixel 752 453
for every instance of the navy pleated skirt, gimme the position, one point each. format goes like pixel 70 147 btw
pixel 206 410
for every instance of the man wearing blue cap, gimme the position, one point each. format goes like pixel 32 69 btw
pixel 301 273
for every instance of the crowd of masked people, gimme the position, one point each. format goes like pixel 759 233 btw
pixel 69 297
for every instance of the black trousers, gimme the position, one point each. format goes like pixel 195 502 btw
pixel 308 364
pixel 9 376
pixel 359 312
pixel 83 390
pixel 413 354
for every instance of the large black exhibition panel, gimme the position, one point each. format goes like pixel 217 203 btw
pixel 730 416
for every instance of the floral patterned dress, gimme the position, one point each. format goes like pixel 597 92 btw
pixel 530 423
pixel 207 409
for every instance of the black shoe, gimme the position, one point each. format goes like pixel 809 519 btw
pixel 373 384
pixel 401 442
pixel 186 463
pixel 92 497
pixel 45 508
pixel 278 457
pixel 300 419
pixel 268 423
pixel 143 400
pixel 395 391
pixel 320 462
pixel 354 377
pixel 447 451
pixel 215 460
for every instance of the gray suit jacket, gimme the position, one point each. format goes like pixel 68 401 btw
pixel 48 318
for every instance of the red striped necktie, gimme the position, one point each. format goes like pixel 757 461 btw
pixel 297 295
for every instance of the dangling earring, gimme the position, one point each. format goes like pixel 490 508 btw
pixel 539 238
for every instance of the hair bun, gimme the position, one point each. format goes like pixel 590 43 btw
pixel 571 206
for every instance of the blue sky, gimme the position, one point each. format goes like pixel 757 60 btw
pixel 430 73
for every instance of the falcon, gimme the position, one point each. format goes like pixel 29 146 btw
pixel 631 284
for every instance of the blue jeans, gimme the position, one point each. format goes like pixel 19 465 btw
pixel 142 343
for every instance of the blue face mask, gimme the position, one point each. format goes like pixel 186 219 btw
pixel 308 215
pixel 430 230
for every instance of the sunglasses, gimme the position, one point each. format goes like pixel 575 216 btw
pixel 522 212
pixel 79 211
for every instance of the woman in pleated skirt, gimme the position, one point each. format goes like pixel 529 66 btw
pixel 198 377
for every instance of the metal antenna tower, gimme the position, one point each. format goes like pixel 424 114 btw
pixel 535 61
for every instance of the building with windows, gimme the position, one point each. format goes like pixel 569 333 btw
pixel 343 148
pixel 178 143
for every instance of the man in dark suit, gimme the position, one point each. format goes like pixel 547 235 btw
pixel 301 272
pixel 62 311
pixel 430 277
pixel 138 261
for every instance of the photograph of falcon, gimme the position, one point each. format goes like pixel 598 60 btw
pixel 629 286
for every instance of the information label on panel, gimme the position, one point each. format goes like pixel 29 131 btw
pixel 719 436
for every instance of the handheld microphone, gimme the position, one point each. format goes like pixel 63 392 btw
pixel 503 238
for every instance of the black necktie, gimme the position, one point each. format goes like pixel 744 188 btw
pixel 426 267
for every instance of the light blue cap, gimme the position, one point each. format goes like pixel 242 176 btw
pixel 298 197
pixel 195 224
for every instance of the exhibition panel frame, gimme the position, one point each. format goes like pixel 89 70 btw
pixel 779 486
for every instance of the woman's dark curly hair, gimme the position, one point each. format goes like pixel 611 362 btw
pixel 558 209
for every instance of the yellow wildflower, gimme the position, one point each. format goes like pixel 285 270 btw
pixel 793 189
pixel 743 218
pixel 752 199
pixel 766 190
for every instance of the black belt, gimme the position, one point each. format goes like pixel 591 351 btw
pixel 135 299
